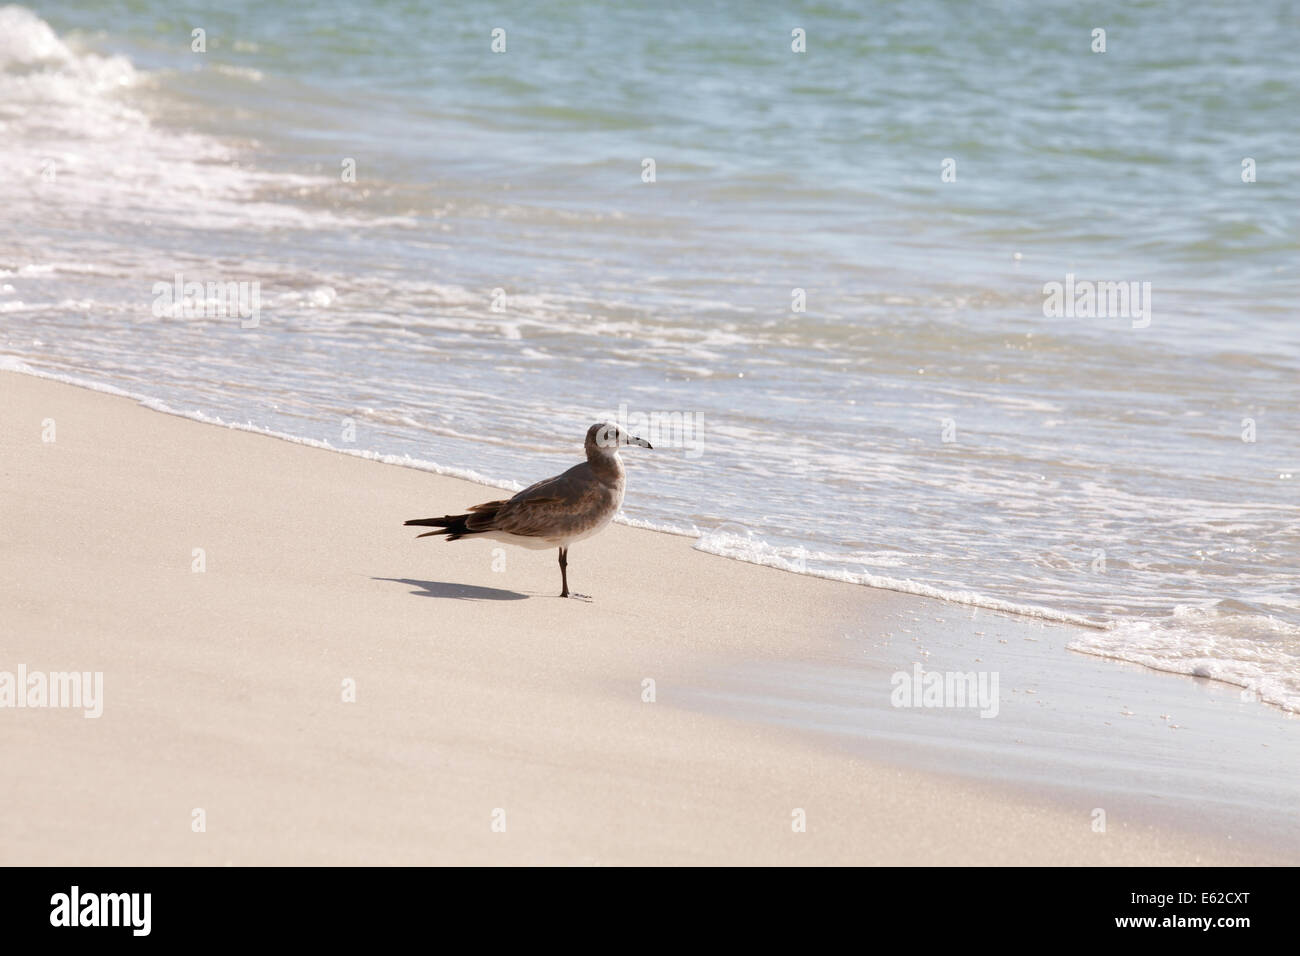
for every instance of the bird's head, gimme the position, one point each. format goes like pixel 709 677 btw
pixel 606 437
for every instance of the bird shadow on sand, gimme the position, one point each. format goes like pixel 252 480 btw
pixel 460 592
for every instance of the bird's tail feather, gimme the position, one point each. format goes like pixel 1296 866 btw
pixel 457 526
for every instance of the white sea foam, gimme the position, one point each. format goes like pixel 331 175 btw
pixel 1259 653
pixel 78 147
pixel 741 544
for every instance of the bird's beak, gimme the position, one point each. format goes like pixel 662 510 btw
pixel 639 441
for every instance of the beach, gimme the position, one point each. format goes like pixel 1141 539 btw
pixel 889 313
pixel 235 590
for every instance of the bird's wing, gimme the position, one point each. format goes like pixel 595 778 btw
pixel 549 506
pixel 482 517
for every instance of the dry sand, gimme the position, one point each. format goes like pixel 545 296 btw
pixel 477 689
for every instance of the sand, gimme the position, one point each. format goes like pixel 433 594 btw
pixel 493 722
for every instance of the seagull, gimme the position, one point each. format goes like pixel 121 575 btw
pixel 555 512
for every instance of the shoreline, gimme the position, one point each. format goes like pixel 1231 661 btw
pixel 222 688
pixel 963 597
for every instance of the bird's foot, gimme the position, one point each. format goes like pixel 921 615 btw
pixel 575 594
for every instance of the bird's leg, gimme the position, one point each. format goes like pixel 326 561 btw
pixel 564 572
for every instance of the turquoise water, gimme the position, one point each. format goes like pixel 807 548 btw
pixel 1096 470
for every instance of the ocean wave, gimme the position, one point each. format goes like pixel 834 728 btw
pixel 73 126
pixel 1258 652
